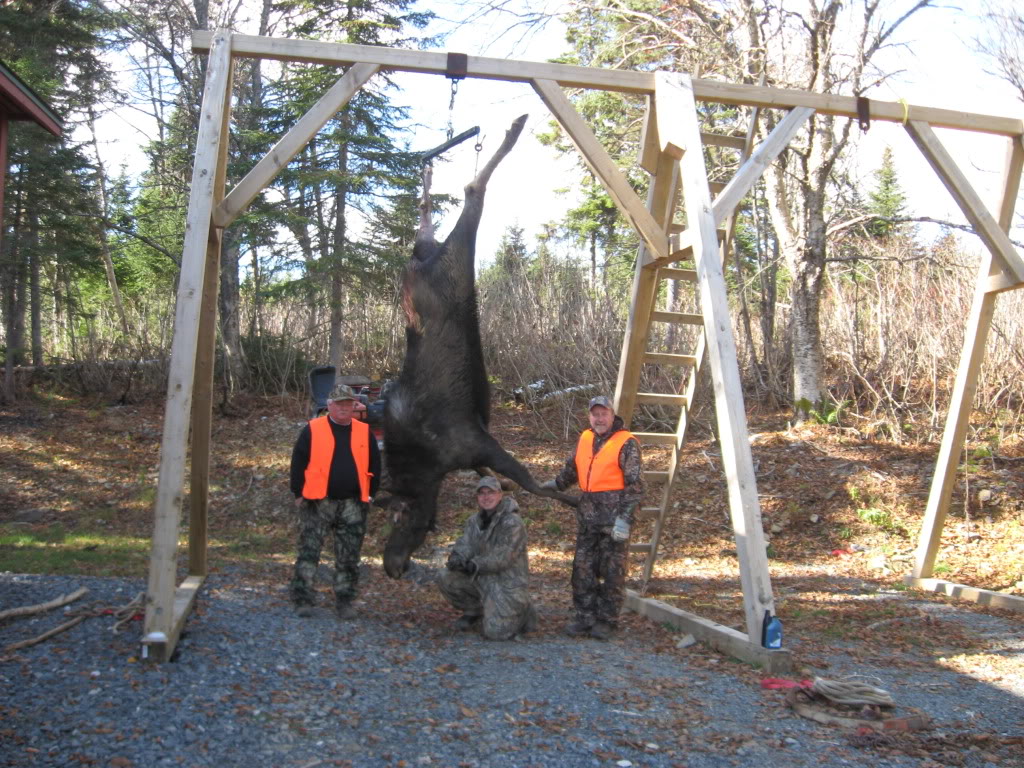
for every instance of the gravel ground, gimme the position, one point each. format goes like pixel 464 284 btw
pixel 252 685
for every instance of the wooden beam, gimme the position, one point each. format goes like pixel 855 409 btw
pixel 647 156
pixel 661 203
pixel 603 167
pixel 167 507
pixel 752 170
pixel 721 140
pixel 655 438
pixel 661 398
pixel 670 103
pixel 772 661
pixel 158 645
pixel 957 420
pixel 624 81
pixel 679 318
pixel 206 345
pixel 666 358
pixel 292 143
pixel 686 275
pixel 968 594
pixel 963 193
pixel 680 248
pixel 744 505
pixel 979 322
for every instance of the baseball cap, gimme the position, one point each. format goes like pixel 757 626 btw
pixel 601 400
pixel 342 392
pixel 487 481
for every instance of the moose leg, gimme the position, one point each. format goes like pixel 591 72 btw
pixel 506 485
pixel 473 207
pixel 426 230
pixel 495 457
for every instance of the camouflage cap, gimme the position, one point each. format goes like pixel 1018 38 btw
pixel 487 481
pixel 342 392
pixel 601 400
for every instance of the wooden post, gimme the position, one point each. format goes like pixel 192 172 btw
pixel 166 610
pixel 744 506
pixel 962 401
pixel 202 406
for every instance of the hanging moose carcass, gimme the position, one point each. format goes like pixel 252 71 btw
pixel 437 413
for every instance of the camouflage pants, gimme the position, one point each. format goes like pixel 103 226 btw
pixel 598 574
pixel 505 613
pixel 346 520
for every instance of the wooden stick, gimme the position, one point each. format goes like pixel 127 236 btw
pixel 55 631
pixel 57 602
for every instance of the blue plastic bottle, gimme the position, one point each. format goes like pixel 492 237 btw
pixel 771 631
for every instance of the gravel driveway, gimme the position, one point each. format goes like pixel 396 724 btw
pixel 252 685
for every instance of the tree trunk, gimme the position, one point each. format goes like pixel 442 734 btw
pixel 35 304
pixel 230 321
pixel 101 235
pixel 336 352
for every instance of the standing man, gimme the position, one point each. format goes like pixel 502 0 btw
pixel 335 472
pixel 488 574
pixel 606 464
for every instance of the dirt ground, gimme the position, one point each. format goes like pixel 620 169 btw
pixel 841 514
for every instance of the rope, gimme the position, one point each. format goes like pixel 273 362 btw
pixel 124 614
pixel 852 693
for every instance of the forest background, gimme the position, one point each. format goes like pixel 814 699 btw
pixel 847 307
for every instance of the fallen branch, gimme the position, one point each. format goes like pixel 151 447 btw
pixel 55 631
pixel 57 602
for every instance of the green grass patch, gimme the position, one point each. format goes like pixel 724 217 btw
pixel 52 549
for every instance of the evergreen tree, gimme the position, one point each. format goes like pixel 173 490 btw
pixel 55 47
pixel 887 200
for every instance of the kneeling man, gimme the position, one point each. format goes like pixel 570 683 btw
pixel 488 574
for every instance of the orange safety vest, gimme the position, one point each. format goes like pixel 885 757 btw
pixel 601 472
pixel 321 453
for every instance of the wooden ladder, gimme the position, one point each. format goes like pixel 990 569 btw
pixel 665 158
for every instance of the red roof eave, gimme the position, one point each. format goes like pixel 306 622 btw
pixel 19 102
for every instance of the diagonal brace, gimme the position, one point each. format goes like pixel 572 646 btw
pixel 997 241
pixel 292 143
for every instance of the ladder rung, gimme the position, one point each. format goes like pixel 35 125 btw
pixel 680 244
pixel 683 318
pixel 655 438
pixel 670 273
pixel 664 358
pixel 648 513
pixel 656 475
pixel 721 140
pixel 640 546
pixel 657 398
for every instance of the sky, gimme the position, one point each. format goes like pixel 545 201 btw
pixel 938 67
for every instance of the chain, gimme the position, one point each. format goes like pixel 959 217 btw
pixel 478 147
pixel 451 107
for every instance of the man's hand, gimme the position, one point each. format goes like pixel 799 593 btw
pixel 469 567
pixel 298 501
pixel 456 562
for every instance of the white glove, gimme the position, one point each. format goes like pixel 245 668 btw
pixel 620 531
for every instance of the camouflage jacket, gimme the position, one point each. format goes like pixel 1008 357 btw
pixel 602 507
pixel 499 551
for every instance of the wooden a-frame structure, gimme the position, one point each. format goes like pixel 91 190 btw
pixel 672 152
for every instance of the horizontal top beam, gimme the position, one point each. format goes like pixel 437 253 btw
pixel 626 81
